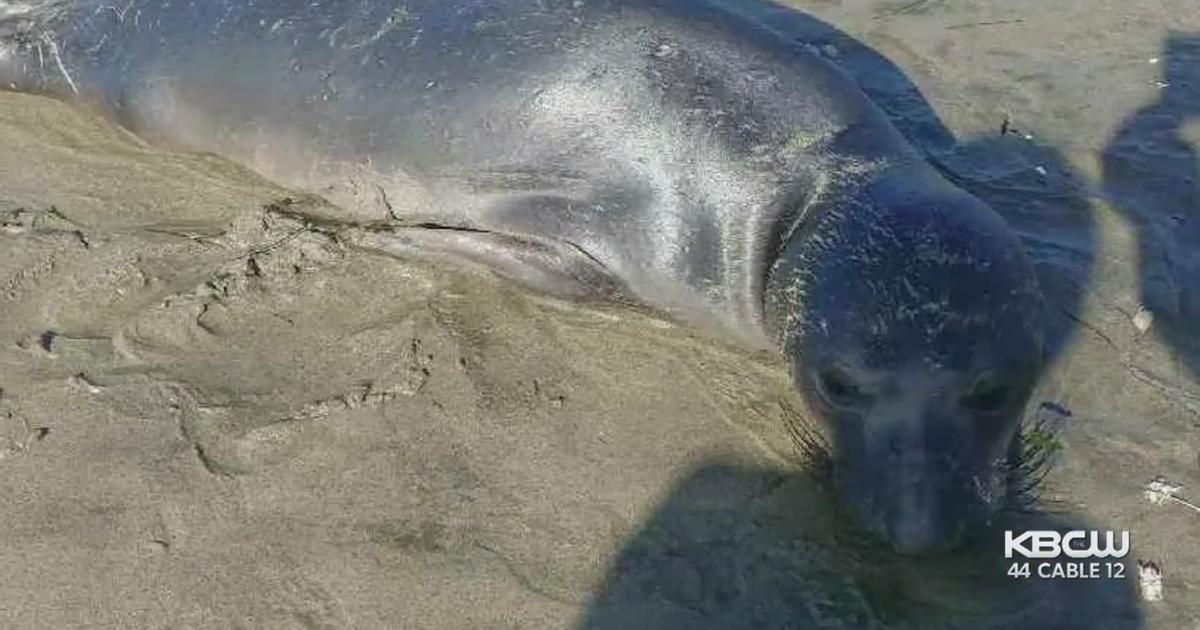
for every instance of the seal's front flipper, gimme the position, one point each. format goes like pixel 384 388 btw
pixel 555 268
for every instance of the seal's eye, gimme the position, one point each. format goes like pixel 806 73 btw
pixel 838 388
pixel 988 395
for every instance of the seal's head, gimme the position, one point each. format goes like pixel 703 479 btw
pixel 912 319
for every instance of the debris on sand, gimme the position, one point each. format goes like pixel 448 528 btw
pixel 1159 491
pixel 1143 319
pixel 1150 581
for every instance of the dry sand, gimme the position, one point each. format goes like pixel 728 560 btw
pixel 220 407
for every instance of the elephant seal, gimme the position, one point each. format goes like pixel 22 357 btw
pixel 671 152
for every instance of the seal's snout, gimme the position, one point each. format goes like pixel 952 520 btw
pixel 917 533
pixel 922 513
pixel 911 452
pixel 914 495
pixel 916 513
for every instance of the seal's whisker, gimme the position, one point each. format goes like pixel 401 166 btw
pixel 1029 462
pixel 811 445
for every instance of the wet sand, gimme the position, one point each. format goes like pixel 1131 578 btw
pixel 221 406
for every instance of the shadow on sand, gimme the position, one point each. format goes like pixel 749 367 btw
pixel 1152 176
pixel 737 548
pixel 733 547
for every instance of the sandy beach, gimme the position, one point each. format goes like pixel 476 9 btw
pixel 223 404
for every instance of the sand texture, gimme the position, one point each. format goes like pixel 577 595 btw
pixel 224 404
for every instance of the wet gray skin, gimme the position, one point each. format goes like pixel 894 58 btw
pixel 666 152
pixel 914 329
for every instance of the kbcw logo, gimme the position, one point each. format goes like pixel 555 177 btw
pixel 1073 544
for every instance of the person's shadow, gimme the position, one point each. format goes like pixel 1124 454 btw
pixel 734 547
pixel 1152 176
pixel 739 547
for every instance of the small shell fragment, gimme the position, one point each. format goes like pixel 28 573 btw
pixel 1143 319
pixel 1150 581
pixel 1159 490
